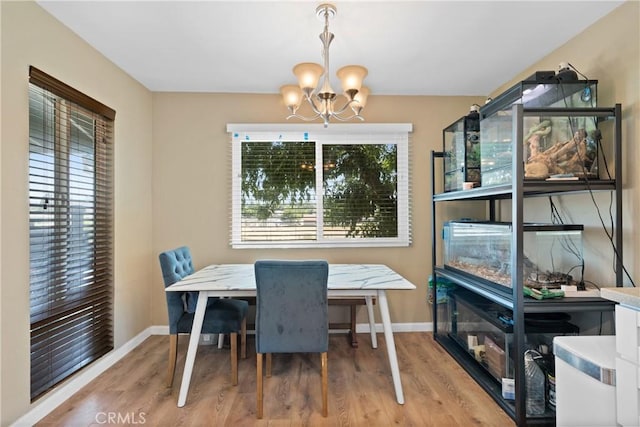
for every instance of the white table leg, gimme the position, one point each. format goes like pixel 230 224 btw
pixel 194 339
pixel 372 321
pixel 391 345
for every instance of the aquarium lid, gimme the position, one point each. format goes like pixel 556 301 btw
pixel 515 92
pixel 453 127
pixel 528 226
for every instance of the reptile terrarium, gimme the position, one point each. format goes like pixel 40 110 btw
pixel 461 148
pixel 560 137
pixel 553 253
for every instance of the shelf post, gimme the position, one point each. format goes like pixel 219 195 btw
pixel 517 185
pixel 434 240
pixel 618 183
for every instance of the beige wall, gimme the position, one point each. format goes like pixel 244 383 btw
pixel 30 36
pixel 609 52
pixel 191 184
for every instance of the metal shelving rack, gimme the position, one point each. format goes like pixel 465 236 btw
pixel 513 298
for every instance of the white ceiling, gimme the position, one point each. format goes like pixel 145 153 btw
pixel 410 47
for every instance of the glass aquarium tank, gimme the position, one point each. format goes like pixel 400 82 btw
pixel 461 148
pixel 555 145
pixel 553 253
pixel 485 330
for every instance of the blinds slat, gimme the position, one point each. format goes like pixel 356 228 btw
pixel 70 218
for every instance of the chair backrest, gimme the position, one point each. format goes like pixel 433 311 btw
pixel 291 306
pixel 175 265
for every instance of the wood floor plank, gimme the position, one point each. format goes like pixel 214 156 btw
pixel 437 391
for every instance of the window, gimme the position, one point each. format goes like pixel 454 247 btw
pixel 310 186
pixel 70 230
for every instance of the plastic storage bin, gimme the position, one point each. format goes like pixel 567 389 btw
pixel 585 381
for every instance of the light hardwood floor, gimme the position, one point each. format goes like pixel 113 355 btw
pixel 438 392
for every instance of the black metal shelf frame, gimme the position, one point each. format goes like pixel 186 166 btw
pixel 513 298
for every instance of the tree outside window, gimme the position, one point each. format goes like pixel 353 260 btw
pixel 362 182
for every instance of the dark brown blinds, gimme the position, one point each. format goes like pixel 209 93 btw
pixel 70 230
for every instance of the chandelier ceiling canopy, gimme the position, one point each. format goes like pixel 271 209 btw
pixel 314 84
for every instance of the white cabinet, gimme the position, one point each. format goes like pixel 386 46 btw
pixel 627 332
pixel 585 381
pixel 627 365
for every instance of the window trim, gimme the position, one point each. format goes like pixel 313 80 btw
pixel 372 133
pixel 55 86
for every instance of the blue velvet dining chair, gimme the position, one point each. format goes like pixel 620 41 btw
pixel 222 316
pixel 291 315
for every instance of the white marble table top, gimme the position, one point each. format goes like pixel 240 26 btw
pixel 241 277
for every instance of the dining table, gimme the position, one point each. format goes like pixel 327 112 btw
pixel 345 281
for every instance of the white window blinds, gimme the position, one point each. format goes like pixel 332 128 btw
pixel 310 186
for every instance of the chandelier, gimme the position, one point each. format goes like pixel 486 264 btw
pixel 314 85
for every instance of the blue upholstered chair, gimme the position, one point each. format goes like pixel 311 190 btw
pixel 291 315
pixel 223 316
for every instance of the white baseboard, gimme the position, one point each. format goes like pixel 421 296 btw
pixel 361 328
pixel 397 327
pixel 159 330
pixel 62 392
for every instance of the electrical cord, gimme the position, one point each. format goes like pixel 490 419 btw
pixel 568 244
pixel 587 89
pixel 595 285
pixel 608 232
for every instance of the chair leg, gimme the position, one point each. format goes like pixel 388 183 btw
pixel 259 385
pixel 173 354
pixel 233 337
pixel 269 365
pixel 325 384
pixel 243 339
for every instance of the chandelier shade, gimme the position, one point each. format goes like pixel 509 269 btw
pixel 351 77
pixel 308 75
pixel 360 100
pixel 314 85
pixel 292 96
